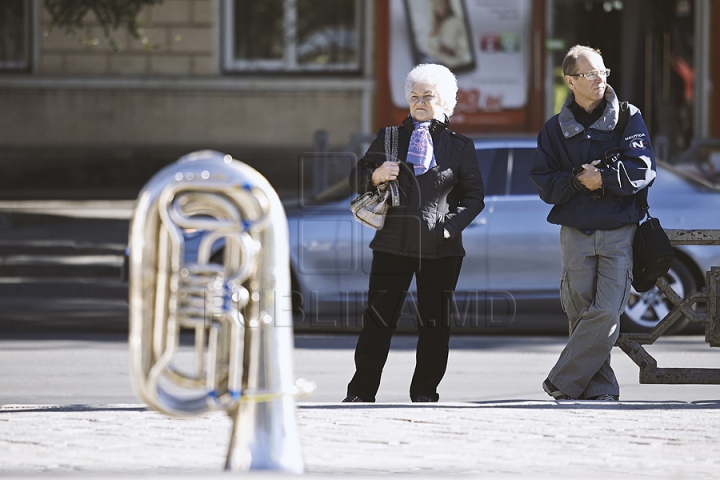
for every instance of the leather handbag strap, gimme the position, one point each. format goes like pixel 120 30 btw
pixel 391 152
pixel 642 199
pixel 391 143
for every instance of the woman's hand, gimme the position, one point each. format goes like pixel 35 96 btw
pixel 385 172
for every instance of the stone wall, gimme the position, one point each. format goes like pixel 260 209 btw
pixel 94 117
pixel 176 39
pixel 105 139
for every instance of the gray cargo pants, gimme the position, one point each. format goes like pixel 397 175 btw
pixel 594 288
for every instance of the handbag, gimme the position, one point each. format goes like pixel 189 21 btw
pixel 371 207
pixel 652 252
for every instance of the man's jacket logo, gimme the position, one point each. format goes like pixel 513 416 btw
pixel 639 144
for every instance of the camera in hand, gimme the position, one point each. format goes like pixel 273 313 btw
pixel 608 159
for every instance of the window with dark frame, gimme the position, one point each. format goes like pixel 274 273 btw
pixel 14 34
pixel 279 36
pixel 520 184
pixel 493 169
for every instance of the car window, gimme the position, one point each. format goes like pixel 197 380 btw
pixel 520 183
pixel 493 168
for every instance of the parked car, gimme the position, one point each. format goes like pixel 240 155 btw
pixel 511 275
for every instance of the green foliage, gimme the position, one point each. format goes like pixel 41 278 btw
pixel 111 14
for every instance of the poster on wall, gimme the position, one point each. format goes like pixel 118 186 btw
pixel 440 33
pixel 485 42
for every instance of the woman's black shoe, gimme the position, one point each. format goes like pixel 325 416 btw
pixel 352 399
pixel 423 398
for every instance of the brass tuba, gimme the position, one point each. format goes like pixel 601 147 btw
pixel 208 334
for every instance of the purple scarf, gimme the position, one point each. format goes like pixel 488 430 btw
pixel 421 151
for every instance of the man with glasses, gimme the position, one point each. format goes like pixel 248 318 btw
pixel 593 161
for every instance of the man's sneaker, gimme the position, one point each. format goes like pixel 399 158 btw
pixel 352 399
pixel 554 392
pixel 605 398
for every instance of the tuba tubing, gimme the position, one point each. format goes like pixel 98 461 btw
pixel 238 312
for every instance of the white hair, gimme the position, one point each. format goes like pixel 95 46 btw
pixel 439 77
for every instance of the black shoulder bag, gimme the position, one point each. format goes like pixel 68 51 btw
pixel 652 252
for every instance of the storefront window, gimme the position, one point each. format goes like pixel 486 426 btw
pixel 14 34
pixel 594 23
pixel 648 45
pixel 293 35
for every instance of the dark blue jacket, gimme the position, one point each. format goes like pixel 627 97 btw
pixel 564 144
pixel 448 196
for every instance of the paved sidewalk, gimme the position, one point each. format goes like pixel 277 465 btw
pixel 67 409
pixel 521 439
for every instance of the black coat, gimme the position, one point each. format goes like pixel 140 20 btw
pixel 564 144
pixel 448 196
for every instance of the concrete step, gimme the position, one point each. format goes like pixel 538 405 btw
pixel 63 287
pixel 60 263
pixel 60 258
pixel 59 247
pixel 49 265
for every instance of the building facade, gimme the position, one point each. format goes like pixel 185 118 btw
pixel 260 78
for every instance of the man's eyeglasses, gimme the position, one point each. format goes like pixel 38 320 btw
pixel 592 75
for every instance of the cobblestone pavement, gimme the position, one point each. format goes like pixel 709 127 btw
pixel 522 439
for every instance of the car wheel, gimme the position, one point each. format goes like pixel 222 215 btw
pixel 645 310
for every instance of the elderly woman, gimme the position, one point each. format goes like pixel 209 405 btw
pixel 441 192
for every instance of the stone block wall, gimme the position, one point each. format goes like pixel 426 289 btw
pixel 177 38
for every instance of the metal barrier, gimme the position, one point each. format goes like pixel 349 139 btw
pixel 632 343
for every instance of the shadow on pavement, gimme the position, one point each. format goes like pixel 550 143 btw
pixel 71 408
pixel 532 405
pixel 408 341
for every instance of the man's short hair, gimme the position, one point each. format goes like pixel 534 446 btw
pixel 569 64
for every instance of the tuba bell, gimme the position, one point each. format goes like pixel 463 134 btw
pixel 216 334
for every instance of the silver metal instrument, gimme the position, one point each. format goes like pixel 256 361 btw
pixel 210 334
